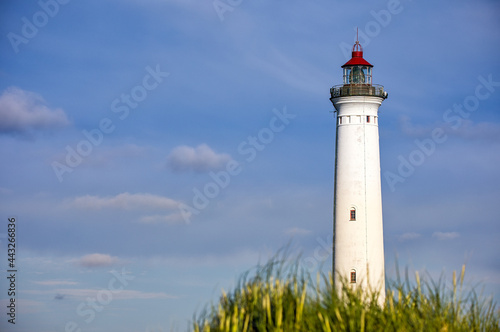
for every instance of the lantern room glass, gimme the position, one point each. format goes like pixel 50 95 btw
pixel 358 75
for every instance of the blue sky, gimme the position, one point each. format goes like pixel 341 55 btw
pixel 154 150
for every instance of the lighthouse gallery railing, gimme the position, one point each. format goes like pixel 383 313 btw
pixel 358 90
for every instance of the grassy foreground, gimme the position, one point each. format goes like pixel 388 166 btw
pixel 281 296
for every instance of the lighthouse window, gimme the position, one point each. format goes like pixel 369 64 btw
pixel 353 277
pixel 353 215
pixel 368 119
pixel 340 120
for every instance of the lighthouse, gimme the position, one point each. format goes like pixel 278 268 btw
pixel 358 239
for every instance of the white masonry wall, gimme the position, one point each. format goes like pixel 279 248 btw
pixel 358 245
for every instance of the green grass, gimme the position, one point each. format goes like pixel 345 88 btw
pixel 281 296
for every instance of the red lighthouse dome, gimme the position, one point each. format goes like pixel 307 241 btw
pixel 357 57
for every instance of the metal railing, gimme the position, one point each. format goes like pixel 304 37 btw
pixel 358 90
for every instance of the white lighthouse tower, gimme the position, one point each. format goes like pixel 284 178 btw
pixel 358 243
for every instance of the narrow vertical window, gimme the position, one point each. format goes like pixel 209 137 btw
pixel 352 215
pixel 340 120
pixel 368 119
pixel 353 277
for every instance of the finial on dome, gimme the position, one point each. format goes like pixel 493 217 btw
pixel 357 55
pixel 357 46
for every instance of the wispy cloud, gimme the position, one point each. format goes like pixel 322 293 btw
pixel 143 203
pixel 84 293
pixel 297 231
pixel 108 156
pixel 170 219
pixel 291 71
pixel 408 236
pixel 26 306
pixel 23 111
pixel 199 159
pixel 445 235
pixel 467 129
pixel 124 201
pixel 480 130
pixel 97 260
pixel 55 282
pixel 5 191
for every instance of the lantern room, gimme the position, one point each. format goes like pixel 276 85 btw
pixel 357 78
pixel 357 70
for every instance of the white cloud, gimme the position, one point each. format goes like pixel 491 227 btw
pixel 408 236
pixel 97 260
pixel 124 201
pixel 445 235
pixel 22 111
pixel 199 159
